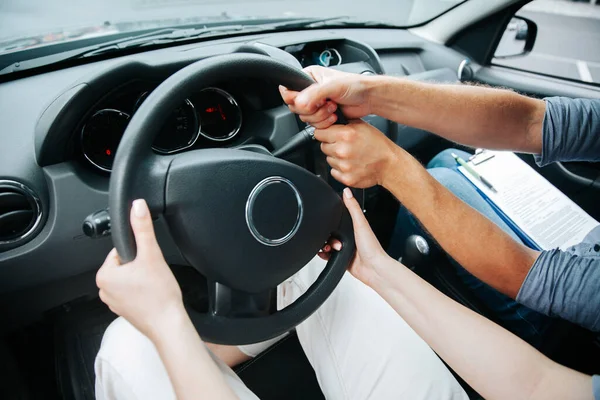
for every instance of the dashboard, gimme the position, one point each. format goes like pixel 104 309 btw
pixel 61 131
pixel 211 117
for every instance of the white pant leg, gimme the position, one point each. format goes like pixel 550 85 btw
pixel 360 348
pixel 128 367
pixel 358 345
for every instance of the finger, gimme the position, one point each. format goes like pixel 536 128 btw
pixel 101 277
pixel 358 218
pixel 309 99
pixel 330 134
pixel 340 177
pixel 143 230
pixel 335 244
pixel 328 149
pixel 103 274
pixel 102 295
pixel 334 163
pixel 287 95
pixel 302 112
pixel 340 150
pixel 322 114
pixel 112 258
pixel 324 256
pixel 313 71
pixel 327 123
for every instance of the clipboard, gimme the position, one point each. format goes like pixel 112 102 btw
pixel 540 214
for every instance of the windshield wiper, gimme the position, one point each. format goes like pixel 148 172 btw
pixel 158 37
pixel 342 22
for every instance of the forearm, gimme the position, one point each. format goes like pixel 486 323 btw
pixel 472 240
pixel 496 363
pixel 193 373
pixel 472 115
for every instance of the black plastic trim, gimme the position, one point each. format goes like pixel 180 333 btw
pixel 479 40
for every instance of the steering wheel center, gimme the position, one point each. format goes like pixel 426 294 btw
pixel 274 211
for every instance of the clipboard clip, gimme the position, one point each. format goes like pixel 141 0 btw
pixel 481 156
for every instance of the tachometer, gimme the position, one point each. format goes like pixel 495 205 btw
pixel 101 135
pixel 179 132
pixel 220 115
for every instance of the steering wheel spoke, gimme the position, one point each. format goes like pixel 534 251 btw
pixel 151 183
pixel 227 302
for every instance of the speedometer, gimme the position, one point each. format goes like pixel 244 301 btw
pixel 101 135
pixel 179 132
pixel 220 115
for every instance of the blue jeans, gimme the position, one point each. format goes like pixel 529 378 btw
pixel 522 321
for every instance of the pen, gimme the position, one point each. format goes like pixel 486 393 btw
pixel 473 172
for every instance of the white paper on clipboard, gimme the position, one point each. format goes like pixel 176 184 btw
pixel 538 208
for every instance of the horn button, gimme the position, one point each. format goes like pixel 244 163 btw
pixel 274 211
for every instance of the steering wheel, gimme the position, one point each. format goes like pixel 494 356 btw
pixel 245 220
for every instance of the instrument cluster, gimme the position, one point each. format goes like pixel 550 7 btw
pixel 212 113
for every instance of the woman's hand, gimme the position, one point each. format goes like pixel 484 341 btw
pixel 370 256
pixel 316 104
pixel 143 291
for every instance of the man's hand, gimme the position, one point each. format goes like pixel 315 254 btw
pixel 143 291
pixel 359 154
pixel 316 104
pixel 370 256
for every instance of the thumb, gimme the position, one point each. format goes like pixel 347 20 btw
pixel 287 95
pixel 358 218
pixel 316 95
pixel 367 244
pixel 143 230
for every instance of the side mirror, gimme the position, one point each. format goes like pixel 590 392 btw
pixel 518 38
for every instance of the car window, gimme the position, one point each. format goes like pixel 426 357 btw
pixel 26 24
pixel 567 43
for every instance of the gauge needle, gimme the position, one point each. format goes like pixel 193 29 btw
pixel 223 117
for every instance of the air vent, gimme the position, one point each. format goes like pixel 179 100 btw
pixel 20 213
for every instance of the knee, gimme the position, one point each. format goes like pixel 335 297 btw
pixel 128 363
pixel 447 177
pixel 122 347
pixel 120 334
pixel 457 184
pixel 443 159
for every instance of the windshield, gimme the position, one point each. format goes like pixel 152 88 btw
pixel 33 23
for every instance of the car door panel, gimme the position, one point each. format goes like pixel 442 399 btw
pixel 534 84
pixel 580 181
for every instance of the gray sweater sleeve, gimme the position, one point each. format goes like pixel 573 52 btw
pixel 566 285
pixel 571 130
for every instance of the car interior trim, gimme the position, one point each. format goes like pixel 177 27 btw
pixel 38 210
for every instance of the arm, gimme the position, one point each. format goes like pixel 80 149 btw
pixel 459 229
pixel 146 294
pixel 565 284
pixel 472 115
pixel 496 363
pixel 571 130
pixel 361 156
